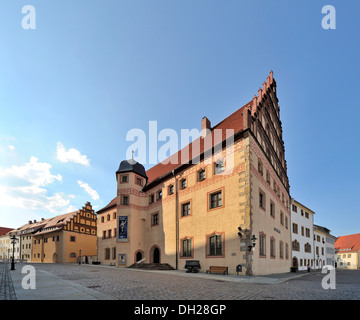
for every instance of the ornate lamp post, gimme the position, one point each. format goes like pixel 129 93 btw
pixel 253 239
pixel 13 241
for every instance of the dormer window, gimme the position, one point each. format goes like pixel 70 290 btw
pixel 219 167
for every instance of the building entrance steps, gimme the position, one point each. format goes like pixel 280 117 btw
pixel 152 266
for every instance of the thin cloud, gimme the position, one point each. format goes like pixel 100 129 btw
pixel 28 192
pixel 17 197
pixel 71 155
pixel 35 172
pixel 93 194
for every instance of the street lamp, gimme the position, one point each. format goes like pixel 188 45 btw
pixel 80 256
pixel 253 239
pixel 13 241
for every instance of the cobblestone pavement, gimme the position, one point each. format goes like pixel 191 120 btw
pixel 7 291
pixel 144 285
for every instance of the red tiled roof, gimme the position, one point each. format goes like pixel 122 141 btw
pixel 350 243
pixel 234 121
pixel 57 222
pixel 4 230
pixel 111 204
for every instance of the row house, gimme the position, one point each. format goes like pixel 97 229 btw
pixel 312 245
pixel 25 235
pixel 302 235
pixel 324 244
pixel 64 238
pixel 5 246
pixel 227 205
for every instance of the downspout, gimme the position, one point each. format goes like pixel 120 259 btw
pixel 249 260
pixel 177 221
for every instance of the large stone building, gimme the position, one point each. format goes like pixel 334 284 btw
pixel 232 193
pixel 65 238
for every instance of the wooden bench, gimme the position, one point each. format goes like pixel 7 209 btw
pixel 217 269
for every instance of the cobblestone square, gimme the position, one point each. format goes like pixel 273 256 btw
pixel 109 283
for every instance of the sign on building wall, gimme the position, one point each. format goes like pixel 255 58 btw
pixel 122 258
pixel 123 228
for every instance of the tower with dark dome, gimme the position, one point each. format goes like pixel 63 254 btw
pixel 131 165
pixel 131 179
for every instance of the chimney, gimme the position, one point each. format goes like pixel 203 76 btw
pixel 42 219
pixel 205 127
pixel 30 222
pixel 34 221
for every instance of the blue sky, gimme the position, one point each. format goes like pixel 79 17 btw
pixel 71 90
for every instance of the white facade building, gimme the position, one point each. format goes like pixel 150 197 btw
pixel 16 247
pixel 302 235
pixel 319 243
pixel 324 244
pixel 330 250
pixel 4 247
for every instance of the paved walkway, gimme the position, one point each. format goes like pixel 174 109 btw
pixel 52 287
pixel 7 291
pixel 48 287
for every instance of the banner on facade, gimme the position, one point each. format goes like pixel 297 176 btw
pixel 123 228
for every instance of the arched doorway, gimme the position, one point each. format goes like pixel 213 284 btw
pixel 138 256
pixel 295 262
pixel 155 254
